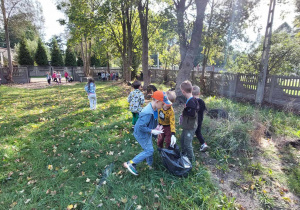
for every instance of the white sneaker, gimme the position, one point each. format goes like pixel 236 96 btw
pixel 203 147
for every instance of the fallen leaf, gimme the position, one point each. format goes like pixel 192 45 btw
pixel 124 200
pixel 70 207
pixel 80 193
pixel 156 196
pixel 82 173
pixel 138 207
pixel 134 197
pixel 53 192
pixel 101 204
pixel 87 180
pixel 162 182
pixel 13 204
pixel 50 167
pixel 27 201
pixel 48 191
pixel 169 197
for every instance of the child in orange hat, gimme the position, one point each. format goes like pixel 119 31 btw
pixel 145 127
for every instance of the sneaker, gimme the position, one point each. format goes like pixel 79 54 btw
pixel 132 127
pixel 203 147
pixel 131 168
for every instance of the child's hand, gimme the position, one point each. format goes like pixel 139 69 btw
pixel 156 132
pixel 159 127
pixel 173 141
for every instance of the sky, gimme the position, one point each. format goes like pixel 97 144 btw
pixel 51 15
pixel 283 13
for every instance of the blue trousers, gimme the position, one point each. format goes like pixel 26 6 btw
pixel 147 152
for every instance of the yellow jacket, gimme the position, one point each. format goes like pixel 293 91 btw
pixel 167 117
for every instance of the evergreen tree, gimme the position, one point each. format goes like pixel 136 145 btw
pixel 24 57
pixel 79 61
pixel 56 56
pixel 41 55
pixel 70 59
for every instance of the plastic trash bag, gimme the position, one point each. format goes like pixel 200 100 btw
pixel 175 162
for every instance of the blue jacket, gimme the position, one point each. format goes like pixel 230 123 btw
pixel 145 123
pixel 92 88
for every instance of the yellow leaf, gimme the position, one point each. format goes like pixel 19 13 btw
pixel 50 167
pixel 70 207
pixel 66 170
pixel 82 173
pixel 13 204
pixel 80 193
pixel 124 200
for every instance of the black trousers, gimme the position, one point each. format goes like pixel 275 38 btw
pixel 199 134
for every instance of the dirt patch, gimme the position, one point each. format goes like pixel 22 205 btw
pixel 39 85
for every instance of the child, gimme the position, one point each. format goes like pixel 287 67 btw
pixel 196 94
pixel 189 120
pixel 135 100
pixel 54 77
pixel 66 76
pixel 90 88
pixel 166 118
pixel 144 129
pixel 49 78
pixel 59 77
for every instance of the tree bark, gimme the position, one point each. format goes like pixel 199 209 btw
pixel 187 57
pixel 10 66
pixel 129 40
pixel 143 15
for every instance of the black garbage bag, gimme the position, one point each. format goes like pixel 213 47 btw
pixel 175 162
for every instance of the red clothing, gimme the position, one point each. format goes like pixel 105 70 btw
pixel 66 74
pixel 54 75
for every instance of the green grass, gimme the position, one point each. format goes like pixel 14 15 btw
pixel 54 150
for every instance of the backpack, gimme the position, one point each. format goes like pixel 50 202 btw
pixel 175 162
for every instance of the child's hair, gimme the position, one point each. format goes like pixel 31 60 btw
pixel 196 90
pixel 171 96
pixel 90 80
pixel 136 84
pixel 186 86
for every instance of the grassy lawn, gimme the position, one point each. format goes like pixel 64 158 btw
pixel 54 150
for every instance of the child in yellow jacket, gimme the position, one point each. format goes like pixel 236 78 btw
pixel 166 118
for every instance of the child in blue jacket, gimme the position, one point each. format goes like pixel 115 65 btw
pixel 90 88
pixel 144 128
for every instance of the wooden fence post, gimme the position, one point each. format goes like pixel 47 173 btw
pixel 273 79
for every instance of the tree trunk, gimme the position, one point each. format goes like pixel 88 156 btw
pixel 83 56
pixel 188 57
pixel 143 14
pixel 10 66
pixel 108 68
pixel 124 57
pixel 129 40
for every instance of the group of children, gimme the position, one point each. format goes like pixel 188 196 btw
pixel 56 77
pixel 105 76
pixel 158 119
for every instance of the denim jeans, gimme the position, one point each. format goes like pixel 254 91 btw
pixel 93 101
pixel 186 141
pixel 147 154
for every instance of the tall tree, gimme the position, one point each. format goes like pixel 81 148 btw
pixel 14 8
pixel 70 59
pixel 56 56
pixel 41 56
pixel 143 14
pixel 24 57
pixel 188 50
